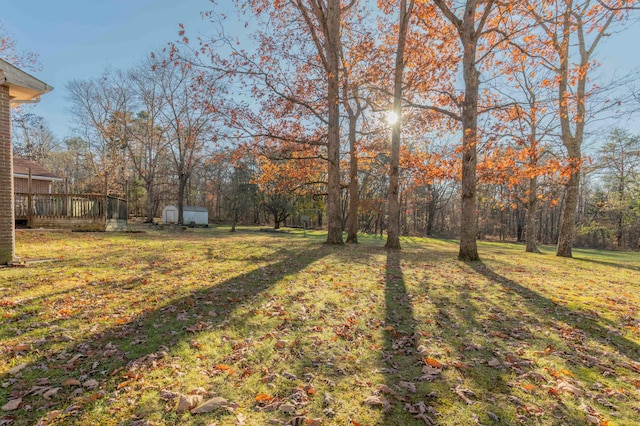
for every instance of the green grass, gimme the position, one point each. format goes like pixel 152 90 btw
pixel 281 325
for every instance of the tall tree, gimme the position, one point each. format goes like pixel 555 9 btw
pixel 470 27
pixel 323 19
pixel 619 162
pixel 393 230
pixel 31 136
pixel 147 143
pixel 187 119
pixel 570 32
pixel 102 109
pixel 280 66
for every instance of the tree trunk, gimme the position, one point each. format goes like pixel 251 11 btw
pixel 182 185
pixel 354 197
pixel 393 226
pixel 150 204
pixel 234 215
pixel 568 215
pixel 468 226
pixel 531 225
pixel 393 204
pixel 332 47
pixel 620 224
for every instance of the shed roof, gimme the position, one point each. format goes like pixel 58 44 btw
pixel 22 85
pixel 194 209
pixel 21 168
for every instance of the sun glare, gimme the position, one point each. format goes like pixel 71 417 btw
pixel 392 118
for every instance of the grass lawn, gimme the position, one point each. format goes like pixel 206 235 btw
pixel 208 327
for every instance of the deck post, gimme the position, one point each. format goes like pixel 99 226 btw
pixel 29 200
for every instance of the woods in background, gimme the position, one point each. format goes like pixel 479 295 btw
pixel 495 133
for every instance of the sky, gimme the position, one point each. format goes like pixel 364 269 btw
pixel 78 39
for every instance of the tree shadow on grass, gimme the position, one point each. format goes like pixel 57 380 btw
pixel 605 263
pixel 400 358
pixel 524 319
pixel 546 307
pixel 145 337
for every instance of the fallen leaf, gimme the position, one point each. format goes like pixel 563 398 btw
pixel 71 382
pixel 566 372
pixel 408 386
pixel 568 387
pixel 18 348
pixel 287 407
pixel 90 384
pixel 51 392
pixel 214 404
pixel 15 370
pixel 12 404
pixel 240 419
pixel 433 363
pixel 592 420
pixel 429 373
pixel 188 402
pixel 52 415
pixel 125 383
pixel 427 420
pixel 263 397
pixel 462 393
pixel 630 366
pixel 378 401
pixel 493 363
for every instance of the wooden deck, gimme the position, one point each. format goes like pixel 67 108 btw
pixel 69 210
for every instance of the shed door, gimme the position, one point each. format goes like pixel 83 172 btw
pixel 172 216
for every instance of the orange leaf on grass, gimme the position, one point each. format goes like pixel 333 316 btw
pixel 18 348
pixel 566 372
pixel 433 363
pixel 125 383
pixel 263 397
pixel 222 367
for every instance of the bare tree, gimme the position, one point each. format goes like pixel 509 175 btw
pixel 187 119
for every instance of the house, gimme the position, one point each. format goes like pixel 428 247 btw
pixel 41 178
pixel 16 86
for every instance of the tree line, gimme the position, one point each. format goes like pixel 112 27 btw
pixel 285 120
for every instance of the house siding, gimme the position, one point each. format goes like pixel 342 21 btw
pixel 37 186
pixel 7 237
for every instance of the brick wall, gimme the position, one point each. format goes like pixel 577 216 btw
pixel 37 186
pixel 7 237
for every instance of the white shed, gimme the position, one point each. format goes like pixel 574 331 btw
pixel 197 215
pixel 170 215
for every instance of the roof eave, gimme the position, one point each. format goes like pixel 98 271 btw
pixel 37 177
pixel 23 87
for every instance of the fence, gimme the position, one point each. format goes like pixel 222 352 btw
pixel 90 207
